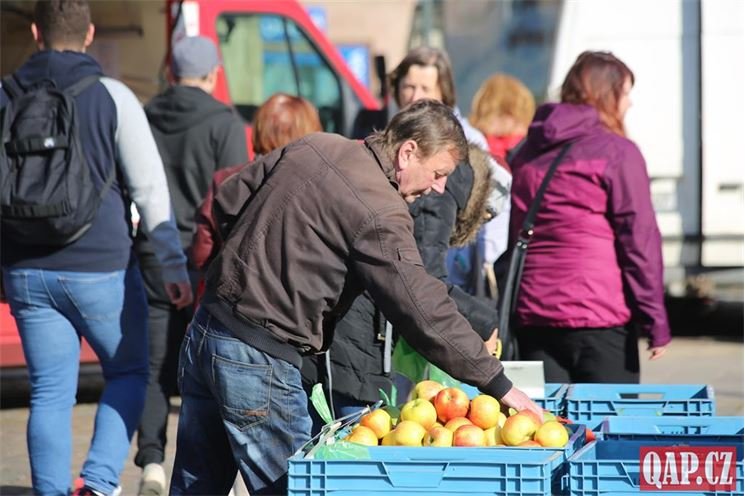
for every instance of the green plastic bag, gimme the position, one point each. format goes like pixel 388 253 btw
pixel 342 450
pixel 318 399
pixel 416 368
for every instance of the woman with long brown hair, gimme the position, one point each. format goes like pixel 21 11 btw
pixel 593 272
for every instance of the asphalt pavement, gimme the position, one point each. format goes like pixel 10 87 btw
pixel 714 360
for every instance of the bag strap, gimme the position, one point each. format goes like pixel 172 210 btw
pixel 526 233
pixel 11 87
pixel 80 86
pixel 508 298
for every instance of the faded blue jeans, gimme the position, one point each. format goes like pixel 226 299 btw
pixel 241 410
pixel 53 310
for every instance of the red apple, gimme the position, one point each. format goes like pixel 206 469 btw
pixel 469 435
pixel 485 411
pixel 451 403
pixel 421 411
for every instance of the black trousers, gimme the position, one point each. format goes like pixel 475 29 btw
pixel 166 328
pixel 606 355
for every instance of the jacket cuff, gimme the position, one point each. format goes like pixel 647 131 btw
pixel 499 386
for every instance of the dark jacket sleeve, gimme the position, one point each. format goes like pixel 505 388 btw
pixel 387 262
pixel 434 220
pixel 638 242
pixel 231 147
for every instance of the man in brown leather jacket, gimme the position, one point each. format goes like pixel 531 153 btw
pixel 306 229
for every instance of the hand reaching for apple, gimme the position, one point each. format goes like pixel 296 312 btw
pixel 519 401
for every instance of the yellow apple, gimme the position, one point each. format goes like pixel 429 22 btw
pixel 408 433
pixel 552 435
pixel 421 411
pixel 427 390
pixel 438 436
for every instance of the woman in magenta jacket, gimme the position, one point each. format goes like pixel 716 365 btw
pixel 593 273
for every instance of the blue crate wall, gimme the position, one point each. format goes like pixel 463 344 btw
pixel 671 428
pixel 591 403
pixel 612 467
pixel 393 471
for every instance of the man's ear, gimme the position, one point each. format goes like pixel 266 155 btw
pixel 89 35
pixel 406 152
pixel 37 36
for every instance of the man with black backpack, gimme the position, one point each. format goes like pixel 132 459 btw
pixel 76 147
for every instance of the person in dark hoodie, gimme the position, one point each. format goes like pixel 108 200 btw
pixel 196 135
pixel 90 287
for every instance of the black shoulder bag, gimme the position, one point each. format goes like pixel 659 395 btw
pixel 517 261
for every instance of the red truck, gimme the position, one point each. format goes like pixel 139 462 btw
pixel 266 46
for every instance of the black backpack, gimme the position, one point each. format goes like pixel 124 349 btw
pixel 47 193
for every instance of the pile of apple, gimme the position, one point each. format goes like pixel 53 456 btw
pixel 440 416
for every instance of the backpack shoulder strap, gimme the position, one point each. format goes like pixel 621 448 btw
pixel 11 87
pixel 80 86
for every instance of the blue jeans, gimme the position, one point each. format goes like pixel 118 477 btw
pixel 241 409
pixel 53 310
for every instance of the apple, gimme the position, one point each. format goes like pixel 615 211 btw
pixel 484 411
pixel 421 411
pixel 362 435
pixel 451 403
pixel 494 436
pixel 456 422
pixel 438 436
pixel 389 439
pixel 518 428
pixel 409 433
pixel 469 435
pixel 536 418
pixel 379 421
pixel 427 390
pixel 552 435
pixel 529 444
pixel 548 416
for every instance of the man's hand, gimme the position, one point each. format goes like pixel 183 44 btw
pixel 179 293
pixel 492 343
pixel 519 401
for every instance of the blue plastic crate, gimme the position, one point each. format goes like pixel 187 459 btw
pixel 612 467
pixel 433 471
pixel 590 403
pixel 674 429
pixel 399 468
pixel 553 400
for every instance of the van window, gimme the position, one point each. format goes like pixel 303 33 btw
pixel 266 54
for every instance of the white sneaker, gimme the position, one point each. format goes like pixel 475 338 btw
pixel 153 480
